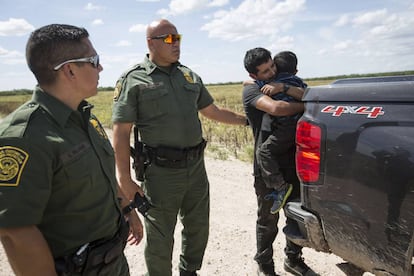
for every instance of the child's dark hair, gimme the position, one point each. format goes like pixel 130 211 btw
pixel 286 62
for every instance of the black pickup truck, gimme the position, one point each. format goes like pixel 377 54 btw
pixel 355 161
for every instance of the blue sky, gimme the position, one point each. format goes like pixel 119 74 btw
pixel 329 37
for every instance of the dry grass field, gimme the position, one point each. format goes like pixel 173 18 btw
pixel 225 141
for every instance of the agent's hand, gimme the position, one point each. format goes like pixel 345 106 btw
pixel 136 230
pixel 130 188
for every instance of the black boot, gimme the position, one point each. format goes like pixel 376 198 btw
pixel 297 266
pixel 187 273
pixel 266 270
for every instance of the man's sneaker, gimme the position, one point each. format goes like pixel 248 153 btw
pixel 298 267
pixel 279 198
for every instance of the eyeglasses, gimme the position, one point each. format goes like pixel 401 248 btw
pixel 168 38
pixel 92 60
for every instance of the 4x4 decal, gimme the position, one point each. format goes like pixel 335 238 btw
pixel 371 112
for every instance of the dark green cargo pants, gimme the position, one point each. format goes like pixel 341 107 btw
pixel 173 192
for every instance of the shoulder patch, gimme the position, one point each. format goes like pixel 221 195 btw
pixel 120 81
pixel 117 91
pixel 12 162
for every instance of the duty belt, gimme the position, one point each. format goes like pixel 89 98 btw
pixel 170 157
pixel 95 256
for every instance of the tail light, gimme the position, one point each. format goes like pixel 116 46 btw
pixel 308 151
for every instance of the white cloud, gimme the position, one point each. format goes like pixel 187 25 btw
pixel 281 44
pixel 267 18
pixel 11 57
pixel 322 51
pixel 371 18
pixel 97 22
pixel 138 28
pixel 218 3
pixel 123 43
pixel 92 7
pixel 179 7
pixel 15 26
pixel 326 33
pixel 14 61
pixel 342 21
pixel 343 45
pixel 149 1
pixel 164 13
pixel 3 52
pixel 376 33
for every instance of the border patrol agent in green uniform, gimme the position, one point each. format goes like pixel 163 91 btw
pixel 59 206
pixel 162 98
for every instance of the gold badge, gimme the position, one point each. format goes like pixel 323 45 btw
pixel 12 162
pixel 188 77
pixel 96 125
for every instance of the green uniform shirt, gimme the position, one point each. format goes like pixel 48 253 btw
pixel 57 171
pixel 163 104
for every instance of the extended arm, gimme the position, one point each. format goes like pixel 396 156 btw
pixel 27 251
pixel 223 115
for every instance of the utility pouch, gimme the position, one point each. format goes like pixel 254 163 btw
pixel 139 156
pixel 102 255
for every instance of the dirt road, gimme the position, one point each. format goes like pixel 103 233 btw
pixel 231 244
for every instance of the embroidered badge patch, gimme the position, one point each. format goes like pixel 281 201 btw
pixel 12 162
pixel 96 125
pixel 188 77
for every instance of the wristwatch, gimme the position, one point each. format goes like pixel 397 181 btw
pixel 285 87
pixel 127 209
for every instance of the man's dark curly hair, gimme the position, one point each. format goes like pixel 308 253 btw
pixel 255 57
